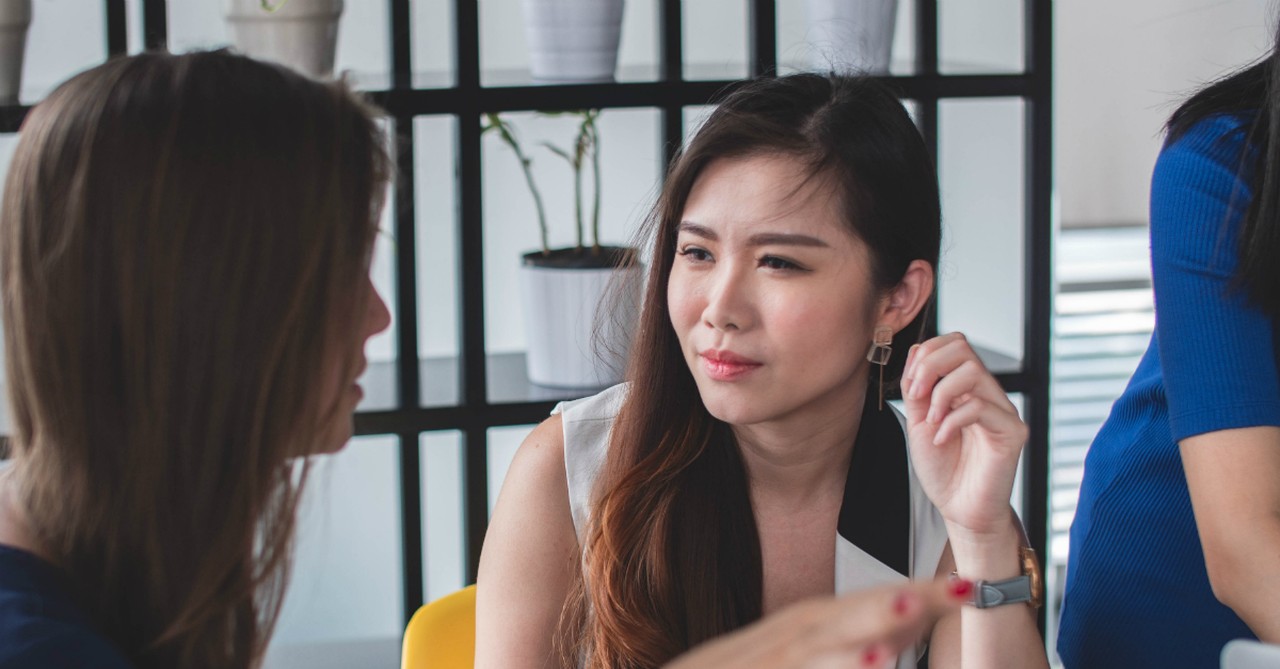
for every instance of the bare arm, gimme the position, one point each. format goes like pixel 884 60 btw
pixel 529 554
pixel 1234 480
pixel 1001 636
pixel 965 438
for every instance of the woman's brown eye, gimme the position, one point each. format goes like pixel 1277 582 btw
pixel 695 253
pixel 774 262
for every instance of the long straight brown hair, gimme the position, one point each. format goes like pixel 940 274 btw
pixel 671 556
pixel 183 244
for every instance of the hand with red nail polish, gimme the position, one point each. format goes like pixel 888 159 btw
pixel 961 589
pixel 865 629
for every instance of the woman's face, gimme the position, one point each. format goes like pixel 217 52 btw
pixel 343 392
pixel 771 295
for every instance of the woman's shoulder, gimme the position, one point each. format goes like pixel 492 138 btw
pixel 574 426
pixel 604 405
pixel 40 625
pixel 586 426
pixel 1217 138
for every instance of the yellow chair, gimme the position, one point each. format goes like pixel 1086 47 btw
pixel 442 634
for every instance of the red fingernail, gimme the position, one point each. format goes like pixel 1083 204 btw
pixel 902 603
pixel 961 589
pixel 871 656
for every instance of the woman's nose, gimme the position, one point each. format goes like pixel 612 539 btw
pixel 377 315
pixel 729 304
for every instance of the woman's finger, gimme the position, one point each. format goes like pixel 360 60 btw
pixel 980 412
pixel 894 617
pixel 934 360
pixel 970 379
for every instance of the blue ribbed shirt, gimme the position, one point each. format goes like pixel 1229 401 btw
pixel 1137 590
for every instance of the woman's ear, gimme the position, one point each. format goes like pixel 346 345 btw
pixel 901 304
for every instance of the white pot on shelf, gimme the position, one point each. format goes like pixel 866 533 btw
pixel 15 19
pixel 572 341
pixel 302 34
pixel 852 35
pixel 573 40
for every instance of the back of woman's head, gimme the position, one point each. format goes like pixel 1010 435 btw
pixel 184 240
pixel 672 557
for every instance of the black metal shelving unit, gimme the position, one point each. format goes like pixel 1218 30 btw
pixel 473 410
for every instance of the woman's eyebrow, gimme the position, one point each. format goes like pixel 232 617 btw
pixel 697 230
pixel 785 239
pixel 759 239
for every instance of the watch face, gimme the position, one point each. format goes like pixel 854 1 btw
pixel 1031 567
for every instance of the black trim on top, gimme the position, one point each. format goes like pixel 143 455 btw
pixel 875 514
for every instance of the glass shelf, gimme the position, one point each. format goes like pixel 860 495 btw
pixel 507 381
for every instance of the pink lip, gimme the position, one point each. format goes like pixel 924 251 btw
pixel 726 365
pixel 355 383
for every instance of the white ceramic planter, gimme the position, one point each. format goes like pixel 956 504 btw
pixel 852 34
pixel 573 40
pixel 573 343
pixel 15 18
pixel 302 34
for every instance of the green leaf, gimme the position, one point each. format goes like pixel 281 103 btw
pixel 559 152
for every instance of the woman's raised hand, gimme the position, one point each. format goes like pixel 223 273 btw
pixel 863 629
pixel 964 435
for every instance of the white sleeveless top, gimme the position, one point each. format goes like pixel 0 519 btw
pixel 888 530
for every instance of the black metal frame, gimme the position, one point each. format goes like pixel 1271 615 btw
pixel 468 99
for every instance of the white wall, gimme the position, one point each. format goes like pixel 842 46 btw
pixel 1121 69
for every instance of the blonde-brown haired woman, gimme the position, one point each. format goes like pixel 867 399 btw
pixel 750 466
pixel 186 244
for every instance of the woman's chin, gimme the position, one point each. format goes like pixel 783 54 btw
pixel 335 439
pixel 737 409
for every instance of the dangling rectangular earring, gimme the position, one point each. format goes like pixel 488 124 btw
pixel 881 351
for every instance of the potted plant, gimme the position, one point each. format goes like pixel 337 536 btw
pixel 15 18
pixel 579 302
pixel 573 40
pixel 302 34
pixel 853 34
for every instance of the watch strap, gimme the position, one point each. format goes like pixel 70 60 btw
pixel 987 594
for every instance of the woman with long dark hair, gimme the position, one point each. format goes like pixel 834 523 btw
pixel 184 258
pixel 1175 542
pixel 750 462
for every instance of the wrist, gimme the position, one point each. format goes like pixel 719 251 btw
pixel 1028 587
pixel 991 556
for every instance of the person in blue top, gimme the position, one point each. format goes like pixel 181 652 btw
pixel 1175 548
